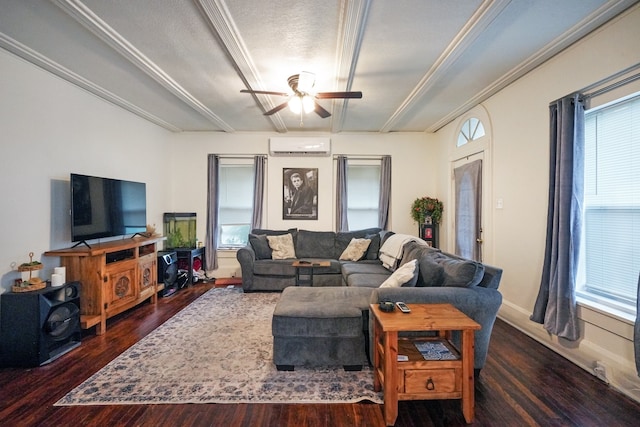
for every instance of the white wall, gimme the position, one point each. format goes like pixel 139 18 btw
pixel 50 128
pixel 520 147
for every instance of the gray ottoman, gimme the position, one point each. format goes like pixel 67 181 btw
pixel 321 327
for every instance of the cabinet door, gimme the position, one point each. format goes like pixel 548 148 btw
pixel 120 286
pixel 147 276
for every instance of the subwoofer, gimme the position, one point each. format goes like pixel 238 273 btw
pixel 168 271
pixel 39 326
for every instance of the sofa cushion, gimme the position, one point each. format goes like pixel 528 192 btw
pixel 329 311
pixel 460 273
pixel 415 250
pixel 315 244
pixel 431 273
pixel 282 246
pixel 343 238
pixel 356 250
pixel 267 232
pixel 260 246
pixel 374 246
pixel 366 280
pixel 406 275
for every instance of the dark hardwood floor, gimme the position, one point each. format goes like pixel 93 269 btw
pixel 522 384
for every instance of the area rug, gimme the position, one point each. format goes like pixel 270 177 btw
pixel 217 350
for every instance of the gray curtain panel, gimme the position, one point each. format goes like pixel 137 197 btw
pixel 636 331
pixel 555 305
pixel 342 223
pixel 259 163
pixel 211 239
pixel 468 181
pixel 385 192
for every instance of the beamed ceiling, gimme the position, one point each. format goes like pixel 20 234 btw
pixel 182 63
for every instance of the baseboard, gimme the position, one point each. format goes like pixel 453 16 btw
pixel 621 373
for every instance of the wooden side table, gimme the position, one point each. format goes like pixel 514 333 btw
pixel 418 378
pixel 307 267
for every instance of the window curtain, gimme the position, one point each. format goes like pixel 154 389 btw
pixel 555 305
pixel 385 192
pixel 211 239
pixel 342 224
pixel 259 163
pixel 468 182
pixel 636 331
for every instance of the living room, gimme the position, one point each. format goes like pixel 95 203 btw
pixel 52 128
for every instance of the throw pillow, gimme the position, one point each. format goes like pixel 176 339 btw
pixel 260 246
pixel 431 273
pixel 374 246
pixel 406 276
pixel 356 250
pixel 281 246
pixel 460 273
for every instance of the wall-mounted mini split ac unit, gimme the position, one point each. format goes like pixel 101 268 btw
pixel 300 146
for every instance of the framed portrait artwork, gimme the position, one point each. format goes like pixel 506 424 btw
pixel 300 193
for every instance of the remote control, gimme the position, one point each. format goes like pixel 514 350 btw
pixel 403 307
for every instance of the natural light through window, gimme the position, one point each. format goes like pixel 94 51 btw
pixel 471 130
pixel 235 204
pixel 610 255
pixel 363 193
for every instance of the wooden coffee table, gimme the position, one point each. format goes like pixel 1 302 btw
pixel 418 378
pixel 308 266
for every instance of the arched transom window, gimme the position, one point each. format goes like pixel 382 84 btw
pixel 471 130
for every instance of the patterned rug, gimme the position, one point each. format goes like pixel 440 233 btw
pixel 217 350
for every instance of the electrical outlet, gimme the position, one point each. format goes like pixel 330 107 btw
pixel 600 371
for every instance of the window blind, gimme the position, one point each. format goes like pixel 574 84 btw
pixel 612 200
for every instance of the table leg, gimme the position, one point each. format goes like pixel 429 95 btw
pixel 377 334
pixel 468 389
pixel 390 370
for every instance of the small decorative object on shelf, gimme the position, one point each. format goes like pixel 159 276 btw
pixel 33 283
pixel 150 232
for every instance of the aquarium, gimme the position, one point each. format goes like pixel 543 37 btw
pixel 180 230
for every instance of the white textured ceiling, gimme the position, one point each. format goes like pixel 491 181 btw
pixel 182 63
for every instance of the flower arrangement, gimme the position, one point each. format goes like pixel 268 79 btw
pixel 426 206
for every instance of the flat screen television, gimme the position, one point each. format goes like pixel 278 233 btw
pixel 105 207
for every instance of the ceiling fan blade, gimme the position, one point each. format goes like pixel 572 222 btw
pixel 276 109
pixel 335 95
pixel 321 111
pixel 264 92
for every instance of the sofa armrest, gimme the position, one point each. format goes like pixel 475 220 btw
pixel 480 304
pixel 246 256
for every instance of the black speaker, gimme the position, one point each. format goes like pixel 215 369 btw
pixel 168 271
pixel 39 326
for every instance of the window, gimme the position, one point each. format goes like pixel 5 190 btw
pixel 235 204
pixel 363 194
pixel 610 255
pixel 471 130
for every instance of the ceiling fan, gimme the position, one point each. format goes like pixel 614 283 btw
pixel 303 99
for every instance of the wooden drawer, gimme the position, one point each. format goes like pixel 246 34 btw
pixel 431 381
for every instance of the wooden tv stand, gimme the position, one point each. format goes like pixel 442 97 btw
pixel 115 276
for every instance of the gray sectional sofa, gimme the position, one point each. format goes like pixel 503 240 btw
pixel 262 273
pixel 470 286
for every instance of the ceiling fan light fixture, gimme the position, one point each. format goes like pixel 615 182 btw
pixel 300 103
pixel 295 104
pixel 306 81
pixel 307 104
